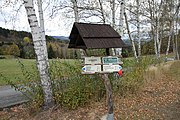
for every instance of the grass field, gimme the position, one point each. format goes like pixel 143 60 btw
pixel 11 69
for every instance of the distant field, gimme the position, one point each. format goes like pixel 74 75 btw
pixel 11 69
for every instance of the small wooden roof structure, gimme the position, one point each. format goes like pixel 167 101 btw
pixel 85 35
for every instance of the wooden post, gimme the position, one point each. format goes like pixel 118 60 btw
pixel 107 84
pixel 109 99
pixel 107 52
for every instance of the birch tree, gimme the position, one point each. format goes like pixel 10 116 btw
pixel 151 11
pixel 122 10
pixel 112 4
pixel 130 37
pixel 176 38
pixel 155 10
pixel 135 20
pixel 138 28
pixel 102 11
pixel 173 17
pixel 42 29
pixel 40 50
pixel 158 40
pixel 75 9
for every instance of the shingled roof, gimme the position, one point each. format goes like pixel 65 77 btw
pixel 85 35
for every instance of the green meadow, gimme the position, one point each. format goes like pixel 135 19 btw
pixel 10 69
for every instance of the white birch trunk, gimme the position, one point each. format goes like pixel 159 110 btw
pixel 138 29
pixel 118 51
pixel 41 20
pixel 113 21
pixel 174 46
pixel 102 11
pixel 155 14
pixel 42 62
pixel 76 15
pixel 157 38
pixel 169 38
pixel 176 40
pixel 172 28
pixel 122 4
pixel 75 8
pixel 157 31
pixel 113 13
pixel 177 52
pixel 153 27
pixel 132 41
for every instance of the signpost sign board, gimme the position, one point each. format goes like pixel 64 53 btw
pixel 110 60
pixel 108 64
pixel 92 60
pixel 91 68
pixel 111 68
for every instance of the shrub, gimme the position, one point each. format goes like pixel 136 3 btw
pixel 71 88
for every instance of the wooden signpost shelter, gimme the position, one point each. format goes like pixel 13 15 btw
pixel 97 36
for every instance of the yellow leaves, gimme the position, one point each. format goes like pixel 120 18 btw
pixel 27 40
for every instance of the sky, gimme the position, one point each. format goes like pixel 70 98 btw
pixel 14 18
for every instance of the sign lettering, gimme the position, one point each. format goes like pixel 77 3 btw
pixel 110 60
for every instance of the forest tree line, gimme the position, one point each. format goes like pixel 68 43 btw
pixel 19 44
pixel 138 20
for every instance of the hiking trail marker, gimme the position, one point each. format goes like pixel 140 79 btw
pixel 98 36
pixel 108 64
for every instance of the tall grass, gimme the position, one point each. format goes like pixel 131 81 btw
pixel 133 79
pixel 72 89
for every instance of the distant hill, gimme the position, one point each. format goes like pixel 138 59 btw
pixel 13 36
pixel 61 37
pixel 20 44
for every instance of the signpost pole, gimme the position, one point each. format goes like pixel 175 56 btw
pixel 109 99
pixel 107 52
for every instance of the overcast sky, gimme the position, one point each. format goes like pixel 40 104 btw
pixel 13 16
pixel 10 18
